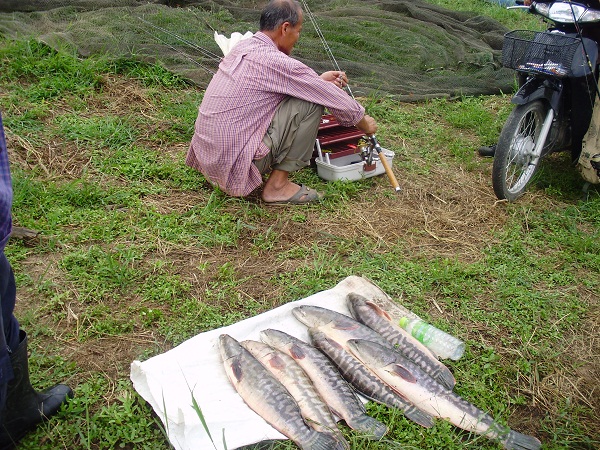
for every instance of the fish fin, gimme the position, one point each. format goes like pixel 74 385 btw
pixel 380 311
pixel 372 428
pixel 325 441
pixel 402 372
pixel 236 369
pixel 420 417
pixel 296 352
pixel 351 326
pixel 519 441
pixel 276 362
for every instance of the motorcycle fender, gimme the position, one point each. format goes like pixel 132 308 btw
pixel 538 89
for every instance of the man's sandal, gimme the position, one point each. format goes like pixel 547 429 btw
pixel 304 196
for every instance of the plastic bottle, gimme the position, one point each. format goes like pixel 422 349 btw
pixel 439 342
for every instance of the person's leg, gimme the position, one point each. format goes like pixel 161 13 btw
pixel 21 407
pixel 291 137
pixel 9 327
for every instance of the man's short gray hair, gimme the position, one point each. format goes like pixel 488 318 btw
pixel 279 11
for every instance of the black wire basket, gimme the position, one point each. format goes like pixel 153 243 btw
pixel 542 52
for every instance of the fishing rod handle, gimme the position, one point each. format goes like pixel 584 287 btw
pixel 386 165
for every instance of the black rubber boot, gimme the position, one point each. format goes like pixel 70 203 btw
pixel 488 151
pixel 25 408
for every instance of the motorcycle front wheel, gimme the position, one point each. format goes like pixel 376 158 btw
pixel 514 162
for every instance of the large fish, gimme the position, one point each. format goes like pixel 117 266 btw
pixel 349 328
pixel 288 372
pixel 364 380
pixel 406 378
pixel 371 315
pixel 337 393
pixel 268 398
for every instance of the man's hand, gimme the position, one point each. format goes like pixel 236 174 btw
pixel 367 125
pixel 336 77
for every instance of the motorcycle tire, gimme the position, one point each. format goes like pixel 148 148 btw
pixel 513 165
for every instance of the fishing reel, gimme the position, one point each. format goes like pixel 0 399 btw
pixel 367 150
pixel 369 146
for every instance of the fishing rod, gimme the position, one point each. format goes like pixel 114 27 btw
pixel 373 144
pixel 324 42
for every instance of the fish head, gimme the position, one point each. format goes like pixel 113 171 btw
pixel 229 347
pixel 360 305
pixel 258 349
pixel 379 358
pixel 371 353
pixel 354 301
pixel 313 316
pixel 320 339
pixel 276 338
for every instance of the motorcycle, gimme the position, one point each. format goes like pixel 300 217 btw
pixel 557 73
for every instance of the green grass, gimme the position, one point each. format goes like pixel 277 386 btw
pixel 139 253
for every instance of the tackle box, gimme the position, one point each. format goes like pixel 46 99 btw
pixel 337 155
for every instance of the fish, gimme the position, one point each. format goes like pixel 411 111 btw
pixel 349 328
pixel 268 397
pixel 371 315
pixel 341 398
pixel 288 372
pixel 364 380
pixel 406 378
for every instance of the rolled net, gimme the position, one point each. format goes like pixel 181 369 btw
pixel 408 49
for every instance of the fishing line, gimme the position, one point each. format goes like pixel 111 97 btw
pixel 185 55
pixel 585 52
pixel 324 42
pixel 202 50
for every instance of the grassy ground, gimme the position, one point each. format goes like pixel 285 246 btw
pixel 137 253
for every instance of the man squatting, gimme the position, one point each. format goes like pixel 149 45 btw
pixel 261 112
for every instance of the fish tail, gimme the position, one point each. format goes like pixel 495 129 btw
pixel 324 441
pixel 421 417
pixel 446 379
pixel 371 427
pixel 519 441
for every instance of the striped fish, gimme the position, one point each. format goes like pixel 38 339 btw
pixel 371 315
pixel 268 398
pixel 349 328
pixel 337 393
pixel 315 411
pixel 364 380
pixel 407 379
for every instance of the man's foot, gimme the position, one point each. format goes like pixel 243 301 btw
pixel 302 196
pixel 487 151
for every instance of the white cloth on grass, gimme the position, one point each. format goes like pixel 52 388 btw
pixel 168 380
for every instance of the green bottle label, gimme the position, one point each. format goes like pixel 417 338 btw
pixel 419 330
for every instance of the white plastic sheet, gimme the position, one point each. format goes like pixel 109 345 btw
pixel 169 380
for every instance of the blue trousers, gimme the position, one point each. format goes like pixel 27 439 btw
pixel 9 327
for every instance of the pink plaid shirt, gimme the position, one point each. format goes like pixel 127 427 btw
pixel 239 104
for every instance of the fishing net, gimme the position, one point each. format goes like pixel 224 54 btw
pixel 408 49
